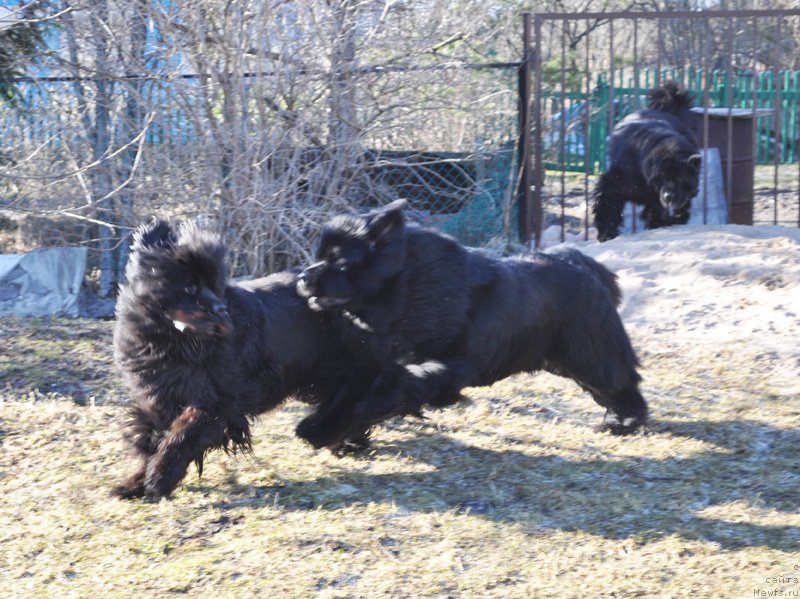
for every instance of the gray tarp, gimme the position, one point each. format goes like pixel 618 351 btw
pixel 44 282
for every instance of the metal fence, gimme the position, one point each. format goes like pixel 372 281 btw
pixel 567 146
pixel 579 93
pixel 454 158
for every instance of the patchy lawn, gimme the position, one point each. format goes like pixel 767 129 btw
pixel 510 495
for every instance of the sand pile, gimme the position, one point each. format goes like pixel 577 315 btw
pixel 704 289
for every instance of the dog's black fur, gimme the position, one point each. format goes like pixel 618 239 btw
pixel 653 161
pixel 433 318
pixel 202 357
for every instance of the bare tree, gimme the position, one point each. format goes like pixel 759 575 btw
pixel 21 39
pixel 265 116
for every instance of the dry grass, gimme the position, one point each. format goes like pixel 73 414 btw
pixel 510 495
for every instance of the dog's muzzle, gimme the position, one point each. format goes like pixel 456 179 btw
pixel 305 289
pixel 672 201
pixel 201 322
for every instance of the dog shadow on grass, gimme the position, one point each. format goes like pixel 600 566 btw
pixel 741 464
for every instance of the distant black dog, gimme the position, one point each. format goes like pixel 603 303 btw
pixel 653 161
pixel 202 357
pixel 434 318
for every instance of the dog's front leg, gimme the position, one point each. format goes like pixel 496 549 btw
pixel 607 204
pixel 328 425
pixel 404 389
pixel 145 435
pixel 133 486
pixel 680 216
pixel 192 433
pixel 655 216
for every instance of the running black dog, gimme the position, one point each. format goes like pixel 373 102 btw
pixel 433 318
pixel 653 161
pixel 202 357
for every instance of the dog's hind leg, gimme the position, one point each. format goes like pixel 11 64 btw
pixel 597 354
pixel 626 410
pixel 193 433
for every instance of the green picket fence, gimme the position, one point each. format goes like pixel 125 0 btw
pixel 567 116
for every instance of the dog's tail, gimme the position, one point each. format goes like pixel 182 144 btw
pixel 670 98
pixel 589 265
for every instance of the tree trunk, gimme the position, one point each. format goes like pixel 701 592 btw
pixel 343 132
pixel 100 175
pixel 132 125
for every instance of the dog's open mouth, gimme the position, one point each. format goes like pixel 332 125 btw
pixel 325 302
pixel 319 302
pixel 201 323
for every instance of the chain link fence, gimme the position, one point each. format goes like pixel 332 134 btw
pixel 264 172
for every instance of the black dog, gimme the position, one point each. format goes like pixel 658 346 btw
pixel 434 318
pixel 202 358
pixel 653 161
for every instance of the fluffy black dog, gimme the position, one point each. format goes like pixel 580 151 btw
pixel 202 358
pixel 433 318
pixel 653 161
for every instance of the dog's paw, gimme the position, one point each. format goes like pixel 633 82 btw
pixel 164 474
pixel 155 490
pixel 125 491
pixel 351 445
pixel 376 409
pixel 316 433
pixel 620 426
pixel 131 488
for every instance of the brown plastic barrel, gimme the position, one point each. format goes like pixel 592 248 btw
pixel 739 169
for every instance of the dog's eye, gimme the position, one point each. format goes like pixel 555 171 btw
pixel 190 289
pixel 333 254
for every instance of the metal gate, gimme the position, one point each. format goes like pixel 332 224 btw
pixel 587 71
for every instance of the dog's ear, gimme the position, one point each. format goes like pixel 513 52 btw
pixel 383 222
pixel 694 161
pixel 155 234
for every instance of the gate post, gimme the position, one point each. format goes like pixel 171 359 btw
pixel 538 172
pixel 524 196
